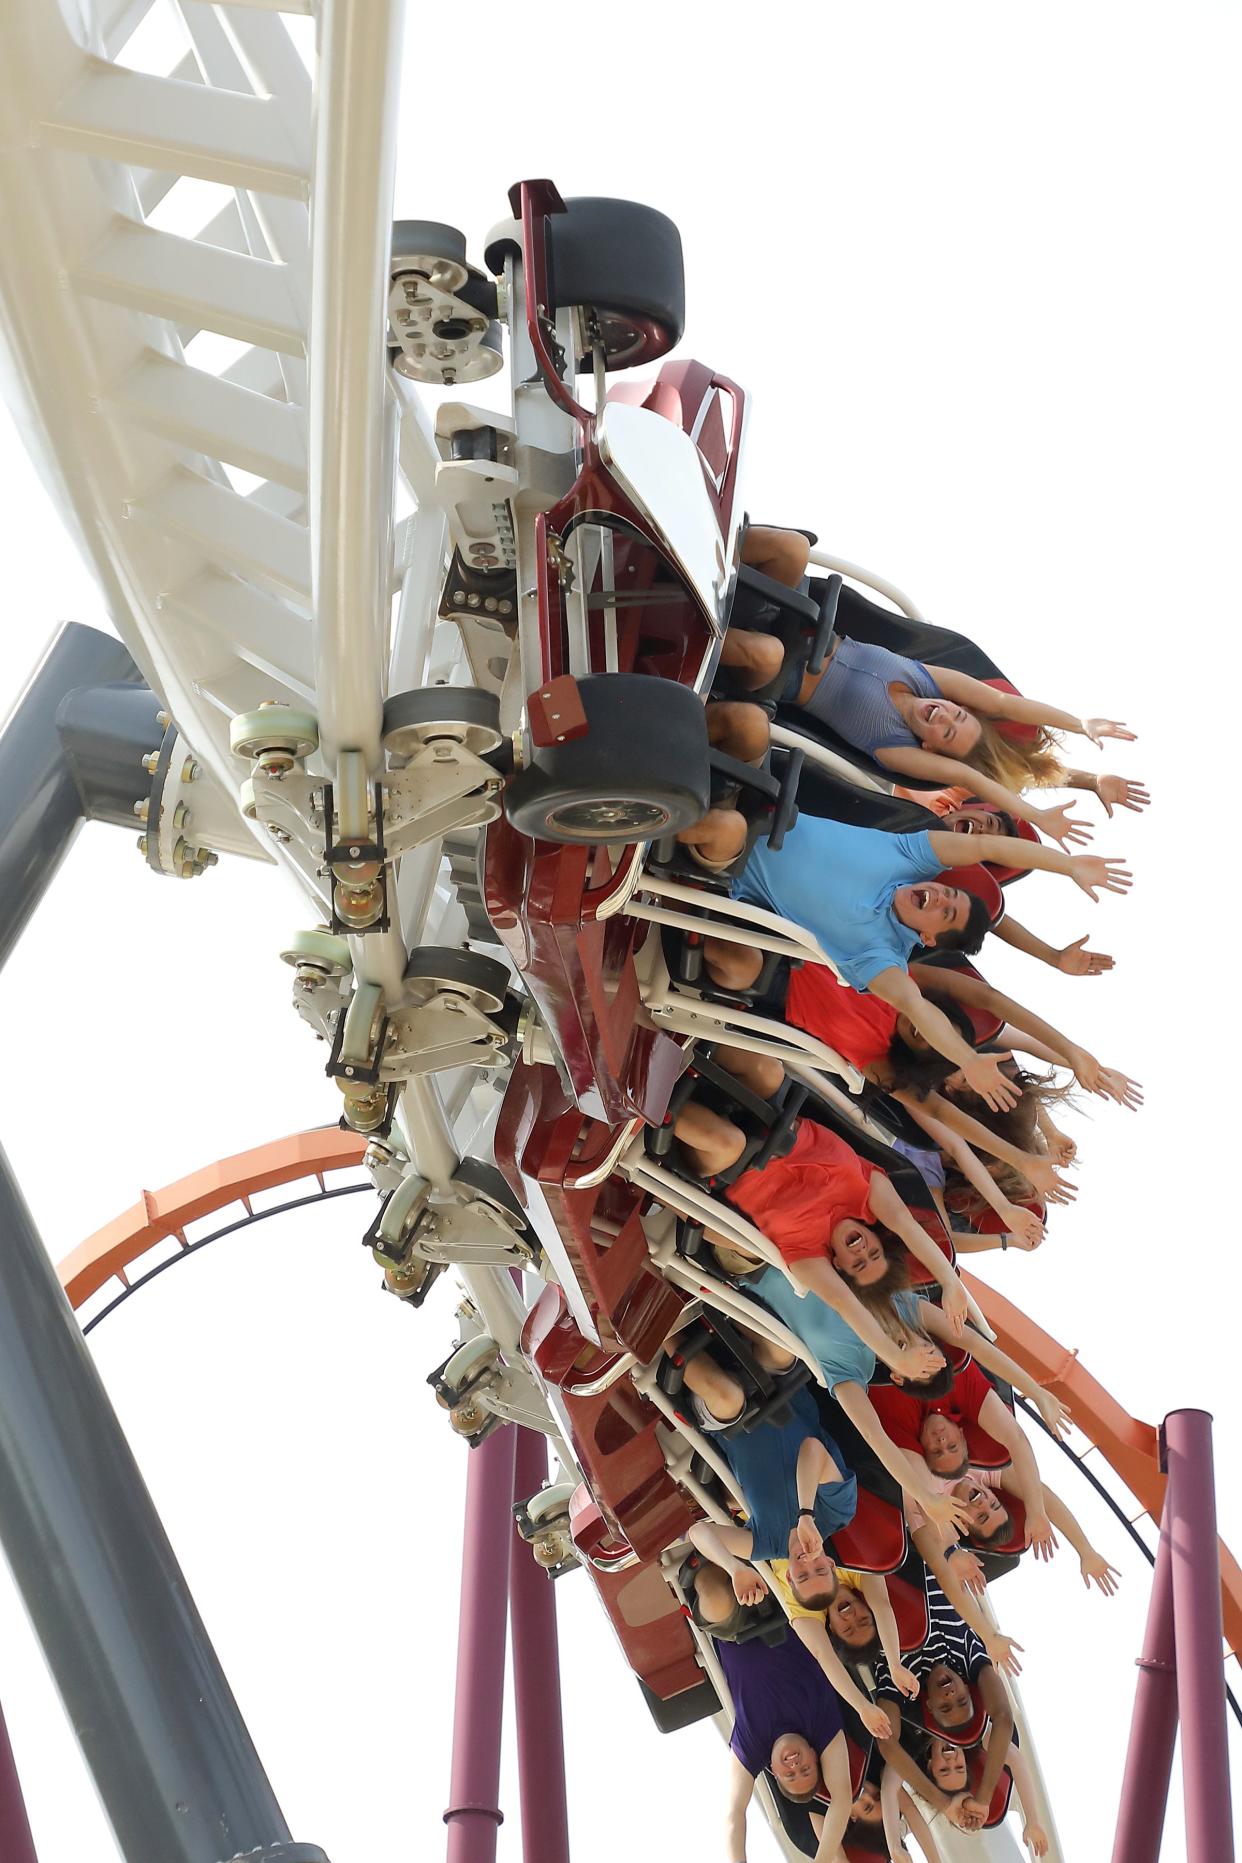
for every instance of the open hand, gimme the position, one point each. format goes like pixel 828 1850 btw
pixel 1077 962
pixel 1119 792
pixel 1035 1837
pixel 1046 1181
pixel 1054 1413
pixel 1025 1231
pixel 1060 825
pixel 955 1306
pixel 748 1586
pixel 1004 1652
pixel 1095 873
pixel 1114 1085
pixel 965 1813
pixel 810 1538
pixel 1043 1540
pixel 967 1568
pixel 1099 728
pixel 1096 1570
pixel 983 1076
pixel 875 1718
pixel 918 1361
pixel 945 1510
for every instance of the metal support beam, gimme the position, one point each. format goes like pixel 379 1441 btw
pixel 41 803
pixel 352 450
pixel 1153 1728
pixel 474 1814
pixel 1190 1525
pixel 16 1841
pixel 157 1723
pixel 537 1680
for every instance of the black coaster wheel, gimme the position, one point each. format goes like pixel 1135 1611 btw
pixel 624 263
pixel 436 970
pixel 465 715
pixel 640 772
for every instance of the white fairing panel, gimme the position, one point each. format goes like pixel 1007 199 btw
pixel 661 471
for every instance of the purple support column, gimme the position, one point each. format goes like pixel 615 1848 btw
pixel 16 1841
pixel 537 1681
pixel 1190 1523
pixel 473 1814
pixel 1153 1729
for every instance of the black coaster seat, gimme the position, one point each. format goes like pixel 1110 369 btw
pixel 765 794
pixel 764 1622
pixel 766 1393
pixel 803 620
pixel 769 1126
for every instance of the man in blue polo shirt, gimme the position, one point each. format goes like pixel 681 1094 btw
pixel 869 898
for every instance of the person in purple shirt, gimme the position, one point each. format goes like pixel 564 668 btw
pixel 787 1721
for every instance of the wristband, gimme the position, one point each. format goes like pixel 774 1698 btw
pixel 1004 1242
pixel 956 1547
pixel 806 1513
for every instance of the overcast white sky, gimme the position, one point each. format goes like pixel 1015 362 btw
pixel 977 267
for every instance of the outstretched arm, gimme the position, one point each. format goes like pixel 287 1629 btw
pixel 1002 1649
pixel 1092 1564
pixel 1073 959
pixel 919 1828
pixel 820 1279
pixel 1023 1228
pixel 834 1766
pixel 989 1355
pixel 982 1072
pixel 1089 871
pixel 941 1509
pixel 951 773
pixel 1010 707
pixel 889 1209
pixel 1000 1423
pixel 995 1698
pixel 1113 791
pixel 875 1591
pixel 1033 1833
pixel 813 1633
pixel 1019 1020
pixel 741 1789
pixel 1040 1173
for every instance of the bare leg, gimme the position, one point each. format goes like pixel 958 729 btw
pixel 755 656
pixel 721 1395
pixel 717 839
pixel 739 729
pixel 732 966
pixel 712 1142
pixel 715 1594
pixel 771 1357
pixel 835 1763
pixel 762 1073
pixel 781 554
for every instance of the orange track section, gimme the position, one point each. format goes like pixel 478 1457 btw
pixel 1129 1447
pixel 162 1213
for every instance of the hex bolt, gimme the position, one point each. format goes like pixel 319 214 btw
pixel 140 809
pixel 189 771
pixel 163 720
pixel 151 762
pixel 142 845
